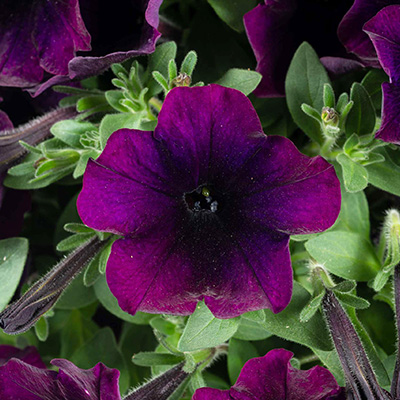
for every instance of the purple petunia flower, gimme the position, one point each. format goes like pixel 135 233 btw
pixel 272 377
pixel 276 28
pixel 39 39
pixel 206 205
pixel 22 381
pixel 384 31
pixel 350 30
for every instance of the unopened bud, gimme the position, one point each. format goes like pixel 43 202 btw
pixel 330 116
pixel 181 80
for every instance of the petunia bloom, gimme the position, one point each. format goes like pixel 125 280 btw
pixel 276 28
pixel 384 31
pixel 22 381
pixel 39 40
pixel 272 377
pixel 205 205
pixel 350 30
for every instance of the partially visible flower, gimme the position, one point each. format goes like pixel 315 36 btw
pixel 276 28
pixel 272 377
pixel 350 30
pixel 206 205
pixel 39 40
pixel 384 31
pixel 28 355
pixel 22 381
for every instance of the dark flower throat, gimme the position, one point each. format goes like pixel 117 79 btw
pixel 204 199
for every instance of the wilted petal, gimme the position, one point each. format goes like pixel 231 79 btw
pixel 141 17
pixel 272 377
pixel 267 28
pixel 351 33
pixel 28 355
pixel 38 36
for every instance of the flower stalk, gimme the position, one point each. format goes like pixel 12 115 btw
pixel 32 132
pixel 21 315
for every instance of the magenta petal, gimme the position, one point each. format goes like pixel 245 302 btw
pixel 28 355
pixel 38 36
pixel 272 377
pixel 267 28
pixel 288 191
pixel 19 380
pixel 209 130
pixel 100 382
pixel 351 33
pixel 384 31
pixel 211 394
pixel 390 126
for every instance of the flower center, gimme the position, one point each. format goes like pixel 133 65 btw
pixel 204 198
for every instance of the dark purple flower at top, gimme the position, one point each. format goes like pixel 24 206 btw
pixel 350 30
pixel 206 205
pixel 384 31
pixel 19 380
pixel 39 39
pixel 273 378
pixel 28 355
pixel 277 27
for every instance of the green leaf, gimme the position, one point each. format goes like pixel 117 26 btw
pixel 188 64
pixel 114 98
pixel 354 214
pixel 385 175
pixel 257 316
pixel 92 272
pixel 76 227
pixel 203 330
pixel 241 79
pixel 311 112
pixel 77 295
pixel 287 325
pixel 372 82
pixel 311 308
pixel 352 300
pixel 251 330
pixel 361 118
pixel 305 82
pixel 42 329
pixel 148 359
pixel 102 347
pixel 239 352
pixel 355 176
pixel 159 61
pixel 112 122
pixel 13 253
pixel 329 96
pixel 232 11
pixel 109 302
pixel 163 326
pixel 345 254
pixel 70 131
pixel 90 102
pixel 345 286
pixel 331 360
pixel 73 241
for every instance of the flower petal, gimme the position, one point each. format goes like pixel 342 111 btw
pixel 28 355
pixel 208 129
pixel 41 36
pixel 113 202
pixel 211 394
pixel 384 31
pixel 390 127
pixel 267 27
pixel 98 383
pixel 350 30
pixel 282 189
pixel 233 275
